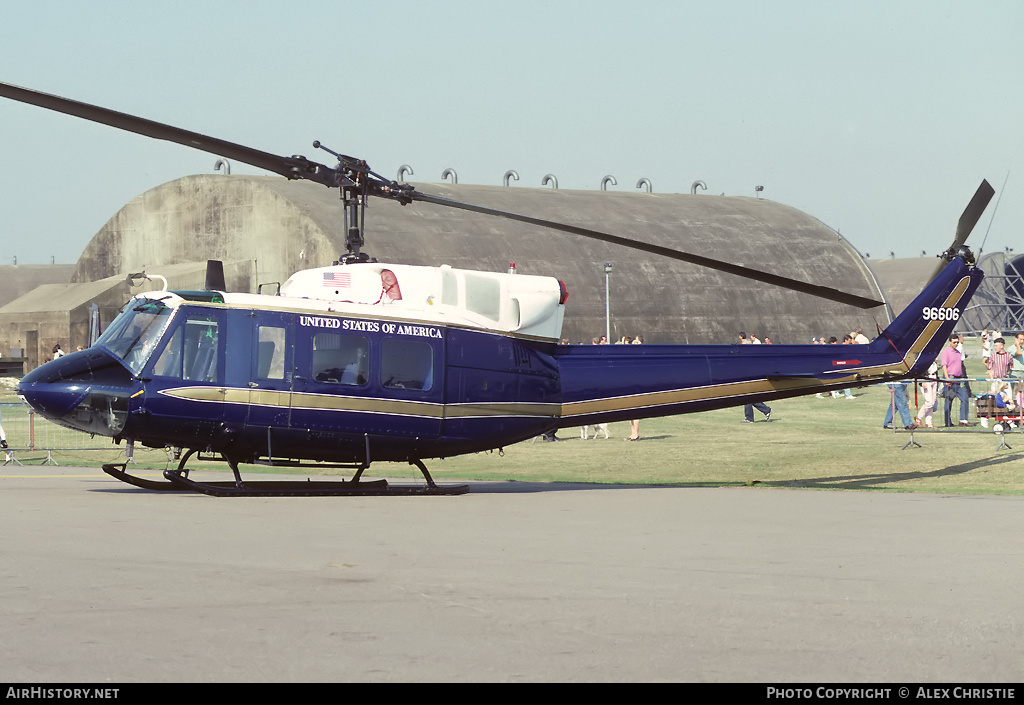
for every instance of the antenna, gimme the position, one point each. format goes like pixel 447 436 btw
pixel 994 209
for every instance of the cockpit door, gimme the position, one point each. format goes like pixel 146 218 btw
pixel 184 379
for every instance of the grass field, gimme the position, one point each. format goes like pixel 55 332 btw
pixel 810 442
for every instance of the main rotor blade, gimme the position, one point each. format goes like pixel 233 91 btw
pixel 739 270
pixel 301 168
pixel 290 167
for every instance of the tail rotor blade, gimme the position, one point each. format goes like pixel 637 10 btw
pixel 972 214
pixel 969 218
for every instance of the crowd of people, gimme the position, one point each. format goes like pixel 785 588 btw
pixel 947 379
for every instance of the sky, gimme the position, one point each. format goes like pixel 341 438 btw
pixel 878 118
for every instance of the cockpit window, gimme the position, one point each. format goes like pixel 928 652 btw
pixel 133 334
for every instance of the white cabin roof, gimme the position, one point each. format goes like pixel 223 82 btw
pixel 523 304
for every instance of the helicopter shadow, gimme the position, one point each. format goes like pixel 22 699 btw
pixel 875 479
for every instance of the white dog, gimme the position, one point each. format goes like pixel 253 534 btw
pixel 598 428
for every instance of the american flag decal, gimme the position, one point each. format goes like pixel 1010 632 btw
pixel 337 280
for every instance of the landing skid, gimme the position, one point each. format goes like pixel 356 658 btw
pixel 285 488
pixel 179 481
pixel 117 472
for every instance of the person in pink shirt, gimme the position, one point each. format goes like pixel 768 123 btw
pixel 953 367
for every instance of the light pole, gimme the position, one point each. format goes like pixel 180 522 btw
pixel 607 304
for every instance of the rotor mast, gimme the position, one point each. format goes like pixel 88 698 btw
pixel 357 183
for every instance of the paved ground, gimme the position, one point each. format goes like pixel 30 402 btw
pixel 512 582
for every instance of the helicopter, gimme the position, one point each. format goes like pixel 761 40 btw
pixel 361 361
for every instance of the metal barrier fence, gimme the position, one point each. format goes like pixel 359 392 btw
pixel 994 419
pixel 989 387
pixel 27 432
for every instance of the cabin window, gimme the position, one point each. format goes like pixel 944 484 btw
pixel 483 296
pixel 270 347
pixel 407 364
pixel 340 359
pixel 449 288
pixel 191 352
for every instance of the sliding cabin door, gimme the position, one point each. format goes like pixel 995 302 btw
pixel 271 370
pixel 360 378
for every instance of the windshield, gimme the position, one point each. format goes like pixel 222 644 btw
pixel 133 334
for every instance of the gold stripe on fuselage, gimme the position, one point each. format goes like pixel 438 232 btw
pixel 373 405
pixel 726 390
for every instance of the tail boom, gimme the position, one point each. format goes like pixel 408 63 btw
pixel 612 383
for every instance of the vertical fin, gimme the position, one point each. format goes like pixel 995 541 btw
pixel 924 326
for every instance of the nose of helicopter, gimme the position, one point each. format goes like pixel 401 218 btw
pixel 87 390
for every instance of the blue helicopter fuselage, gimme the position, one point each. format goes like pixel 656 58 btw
pixel 292 377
